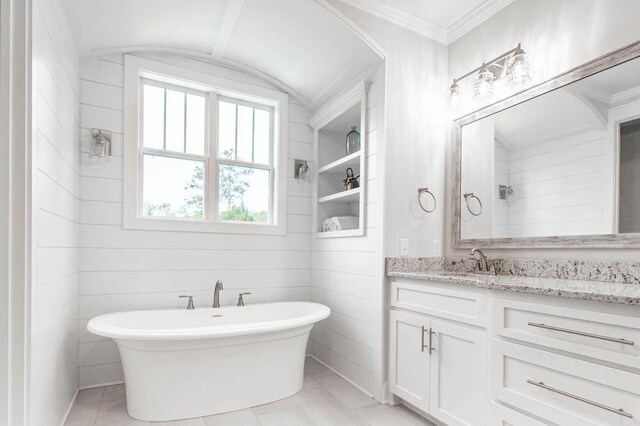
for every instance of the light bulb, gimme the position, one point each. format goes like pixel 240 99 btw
pixel 518 69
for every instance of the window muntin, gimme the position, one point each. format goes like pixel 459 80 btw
pixel 176 165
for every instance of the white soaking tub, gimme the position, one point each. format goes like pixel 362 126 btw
pixel 183 363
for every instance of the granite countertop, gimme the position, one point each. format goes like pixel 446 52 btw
pixel 612 292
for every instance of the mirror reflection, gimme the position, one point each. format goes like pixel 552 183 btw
pixel 564 163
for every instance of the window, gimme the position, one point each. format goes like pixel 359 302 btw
pixel 206 159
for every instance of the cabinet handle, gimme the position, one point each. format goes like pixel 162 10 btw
pixel 422 346
pixel 581 333
pixel 579 398
pixel 431 333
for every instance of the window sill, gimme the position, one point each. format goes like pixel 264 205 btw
pixel 178 225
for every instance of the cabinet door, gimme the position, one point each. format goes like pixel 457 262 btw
pixel 408 361
pixel 457 374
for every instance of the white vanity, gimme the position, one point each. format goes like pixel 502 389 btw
pixel 467 352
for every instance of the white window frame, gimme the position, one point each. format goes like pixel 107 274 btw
pixel 217 88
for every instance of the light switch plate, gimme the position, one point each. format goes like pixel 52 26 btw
pixel 404 247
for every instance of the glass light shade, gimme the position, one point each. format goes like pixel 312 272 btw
pixel 455 97
pixel 483 86
pixel 303 172
pixel 100 149
pixel 518 68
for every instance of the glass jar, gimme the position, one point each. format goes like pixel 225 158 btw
pixel 353 141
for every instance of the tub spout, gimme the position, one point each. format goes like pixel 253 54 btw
pixel 216 294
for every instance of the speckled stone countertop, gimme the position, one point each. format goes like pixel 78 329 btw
pixel 600 291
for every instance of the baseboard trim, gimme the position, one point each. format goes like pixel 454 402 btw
pixel 369 394
pixel 120 382
pixel 73 401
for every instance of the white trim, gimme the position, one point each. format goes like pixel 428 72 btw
pixel 16 215
pixel 69 408
pixel 354 384
pixel 135 67
pixel 338 105
pixel 474 18
pixel 229 21
pixel 428 29
pixel 401 18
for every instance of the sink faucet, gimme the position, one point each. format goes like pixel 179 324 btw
pixel 216 294
pixel 484 266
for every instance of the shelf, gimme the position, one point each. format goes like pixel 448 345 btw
pixel 336 234
pixel 350 160
pixel 343 196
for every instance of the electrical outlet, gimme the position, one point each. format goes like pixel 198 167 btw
pixel 437 248
pixel 404 247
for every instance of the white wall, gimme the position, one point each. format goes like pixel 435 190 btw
pixel 348 274
pixel 130 269
pixel 416 72
pixel 558 35
pixel 56 192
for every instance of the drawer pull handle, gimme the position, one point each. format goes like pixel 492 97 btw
pixel 586 401
pixel 422 345
pixel 581 333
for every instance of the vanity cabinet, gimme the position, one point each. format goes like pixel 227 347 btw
pixel 459 353
pixel 436 364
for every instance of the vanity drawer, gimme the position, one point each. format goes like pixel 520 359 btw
pixel 499 415
pixel 563 390
pixel 608 337
pixel 440 300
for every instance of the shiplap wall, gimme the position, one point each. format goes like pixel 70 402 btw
pixel 560 187
pixel 54 374
pixel 348 276
pixel 130 269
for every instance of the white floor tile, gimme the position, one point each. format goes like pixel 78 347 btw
pixel 290 417
pixel 325 410
pixel 385 415
pixel 283 404
pixel 235 418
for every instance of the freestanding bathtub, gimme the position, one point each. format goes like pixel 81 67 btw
pixel 183 363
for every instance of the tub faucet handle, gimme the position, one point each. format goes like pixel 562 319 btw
pixel 190 304
pixel 240 299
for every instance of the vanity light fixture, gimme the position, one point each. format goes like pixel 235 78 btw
pixel 100 144
pixel 512 64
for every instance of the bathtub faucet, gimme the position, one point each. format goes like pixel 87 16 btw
pixel 216 294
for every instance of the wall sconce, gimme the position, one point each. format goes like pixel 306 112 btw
pixel 513 65
pixel 100 144
pixel 301 170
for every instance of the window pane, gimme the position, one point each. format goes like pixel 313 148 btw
pixel 261 137
pixel 175 121
pixel 195 124
pixel 227 130
pixel 244 194
pixel 245 133
pixel 173 187
pixel 153 117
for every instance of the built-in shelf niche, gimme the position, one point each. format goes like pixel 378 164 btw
pixel 331 125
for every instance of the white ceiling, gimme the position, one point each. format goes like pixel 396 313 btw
pixel 442 20
pixel 298 45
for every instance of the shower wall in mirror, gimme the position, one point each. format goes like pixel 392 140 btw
pixel 560 161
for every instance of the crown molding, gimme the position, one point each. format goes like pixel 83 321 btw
pixel 474 18
pixel 425 28
pixel 401 19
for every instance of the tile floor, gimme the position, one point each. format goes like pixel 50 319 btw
pixel 325 400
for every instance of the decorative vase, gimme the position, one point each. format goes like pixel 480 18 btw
pixel 353 141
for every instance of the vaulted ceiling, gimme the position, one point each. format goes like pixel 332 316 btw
pixel 298 45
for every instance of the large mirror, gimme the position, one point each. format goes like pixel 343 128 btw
pixel 558 164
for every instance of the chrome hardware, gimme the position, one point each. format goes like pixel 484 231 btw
pixel 216 294
pixel 426 191
pixel 579 398
pixel 484 266
pixel 431 333
pixel 190 303
pixel 240 299
pixel 422 346
pixel 582 333
pixel 470 195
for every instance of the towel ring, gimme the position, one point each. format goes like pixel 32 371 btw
pixel 426 191
pixel 468 195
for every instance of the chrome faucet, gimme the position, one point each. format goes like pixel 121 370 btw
pixel 240 298
pixel 484 266
pixel 190 303
pixel 216 294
